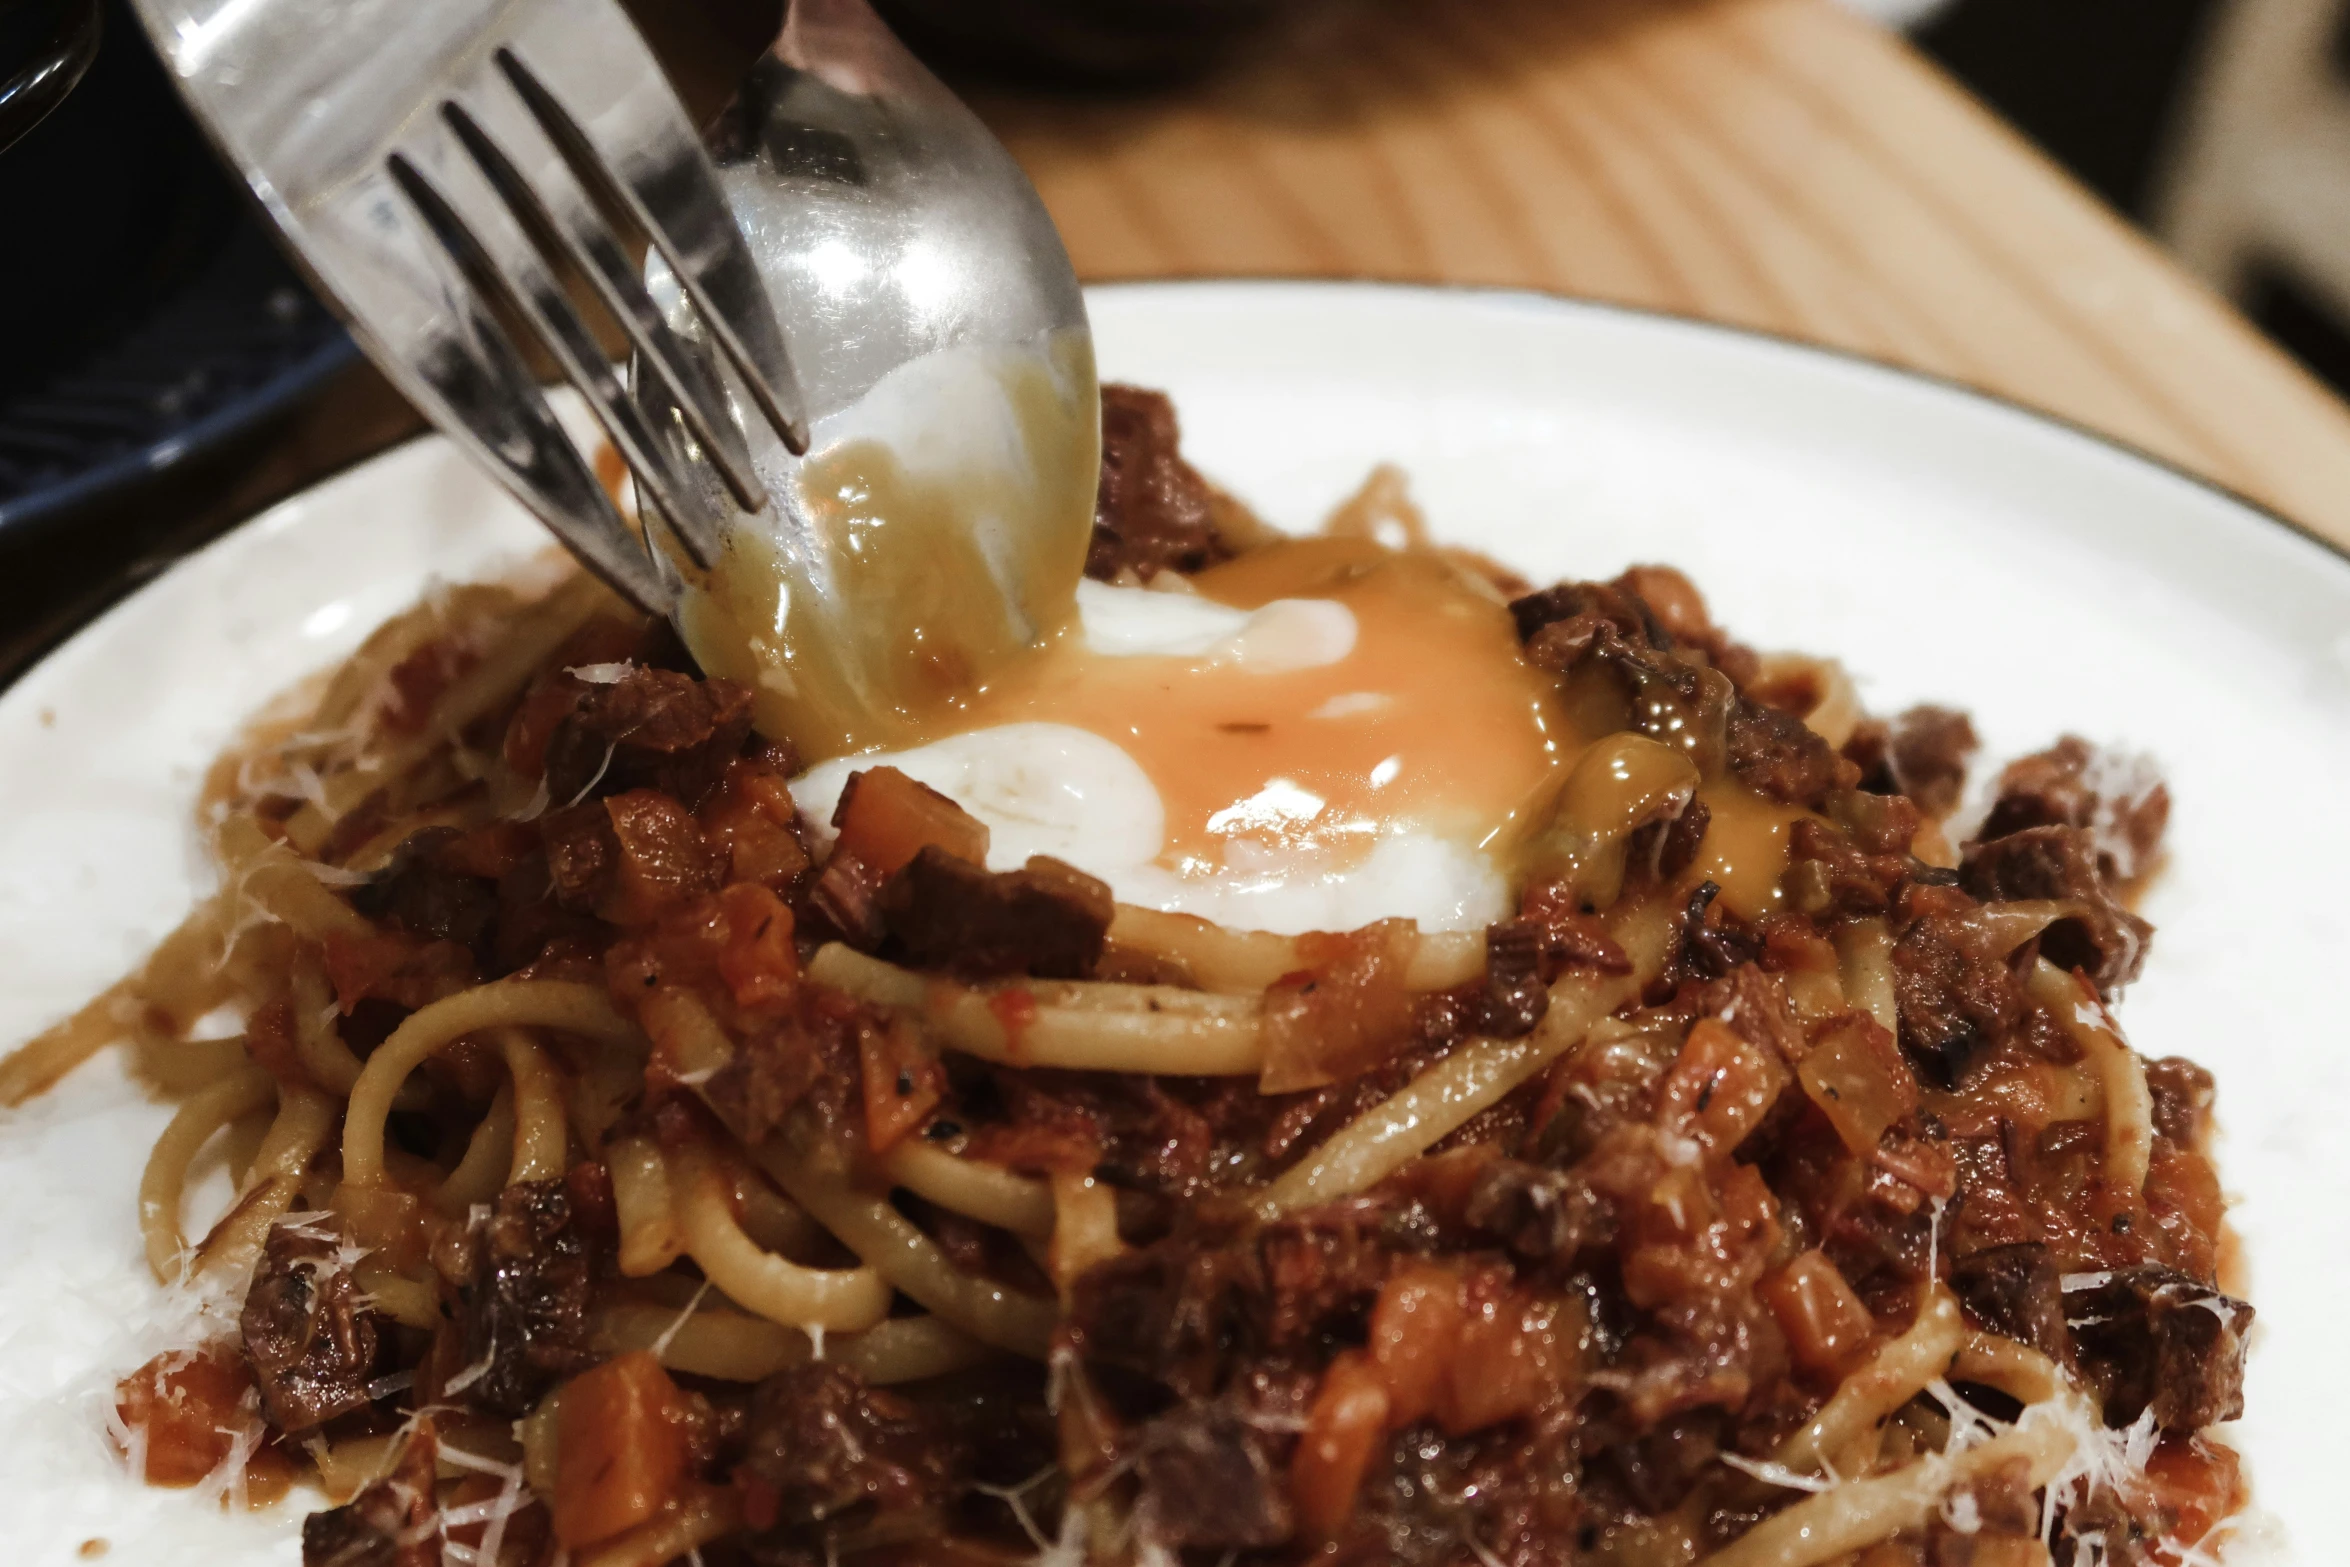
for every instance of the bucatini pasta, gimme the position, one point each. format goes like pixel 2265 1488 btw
pixel 631 1170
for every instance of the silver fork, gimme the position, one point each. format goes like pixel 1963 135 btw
pixel 441 167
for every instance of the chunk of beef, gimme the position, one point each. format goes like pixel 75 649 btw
pixel 1877 823
pixel 1570 937
pixel 1928 754
pixel 417 891
pixel 1153 512
pixel 650 729
pixel 817 1441
pixel 808 1057
pixel 390 1523
pixel 1189 1309
pixel 1517 1489
pixel 1539 1215
pixel 1125 1129
pixel 307 1334
pixel 1515 996
pixel 1572 618
pixel 1831 874
pixel 1658 853
pixel 523 1313
pixel 2013 1291
pixel 1953 1003
pixel 2102 938
pixel 2154 1338
pixel 847 892
pixel 1753 1002
pixel 2182 1094
pixel 1660 1468
pixel 1046 919
pixel 1922 754
pixel 2118 801
pixel 1710 942
pixel 1782 758
pixel 1205 1478
pixel 581 854
pixel 1673 602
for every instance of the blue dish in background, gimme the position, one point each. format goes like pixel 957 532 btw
pixel 146 316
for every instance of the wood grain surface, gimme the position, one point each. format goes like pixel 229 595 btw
pixel 1773 164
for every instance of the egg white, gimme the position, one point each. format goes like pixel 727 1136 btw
pixel 1055 789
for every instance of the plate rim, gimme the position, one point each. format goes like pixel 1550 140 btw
pixel 132 576
pixel 285 510
pixel 39 510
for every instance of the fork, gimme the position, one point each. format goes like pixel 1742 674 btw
pixel 443 169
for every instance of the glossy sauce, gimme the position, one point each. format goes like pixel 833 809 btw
pixel 893 598
pixel 1431 721
pixel 1746 848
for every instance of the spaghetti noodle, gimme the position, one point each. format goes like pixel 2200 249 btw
pixel 615 1181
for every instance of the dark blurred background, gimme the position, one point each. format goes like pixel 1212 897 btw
pixel 155 344
pixel 2126 93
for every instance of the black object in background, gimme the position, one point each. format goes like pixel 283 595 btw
pixel 45 46
pixel 147 316
pixel 2098 84
pixel 2094 82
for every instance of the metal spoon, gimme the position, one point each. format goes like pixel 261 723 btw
pixel 937 526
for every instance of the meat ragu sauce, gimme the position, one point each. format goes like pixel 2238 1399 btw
pixel 1634 1232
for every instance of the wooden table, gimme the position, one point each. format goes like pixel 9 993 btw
pixel 1774 164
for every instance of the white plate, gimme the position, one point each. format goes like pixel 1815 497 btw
pixel 1944 546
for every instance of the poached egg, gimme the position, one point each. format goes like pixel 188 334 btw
pixel 1321 733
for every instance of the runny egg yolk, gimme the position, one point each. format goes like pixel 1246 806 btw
pixel 1431 721
pixel 1319 734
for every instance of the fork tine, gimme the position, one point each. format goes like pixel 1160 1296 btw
pixel 478 375
pixel 583 235
pixel 672 196
pixel 519 279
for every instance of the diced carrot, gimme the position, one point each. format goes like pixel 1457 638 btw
pixel 1415 1333
pixel 1826 1325
pixel 1855 1074
pixel 758 961
pixel 903 1083
pixel 1749 1210
pixel 621 1449
pixel 886 818
pixel 269 1475
pixel 189 1412
pixel 358 966
pixel 1343 1431
pixel 2194 1484
pixel 1515 1355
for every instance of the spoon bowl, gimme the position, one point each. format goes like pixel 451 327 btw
pixel 936 527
